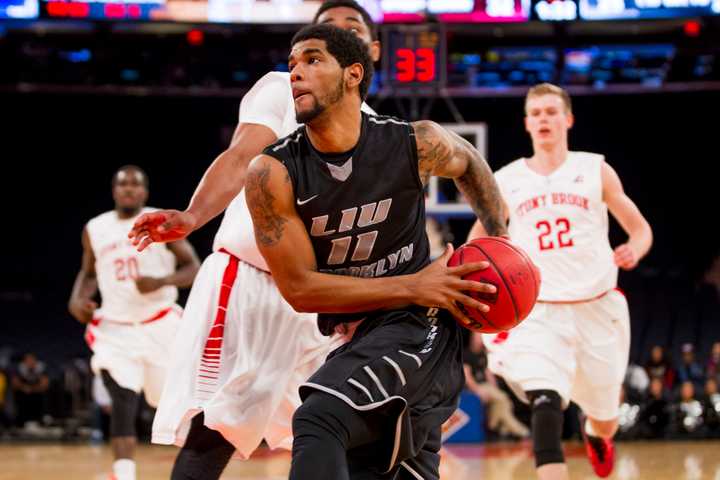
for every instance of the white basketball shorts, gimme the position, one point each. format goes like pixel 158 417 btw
pixel 240 358
pixel 580 350
pixel 134 354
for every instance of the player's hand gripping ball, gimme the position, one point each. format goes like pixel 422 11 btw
pixel 511 271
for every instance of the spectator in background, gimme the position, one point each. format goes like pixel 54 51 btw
pixel 654 416
pixel 30 384
pixel 711 406
pixel 688 413
pixel 480 381
pixel 690 370
pixel 712 369
pixel 659 366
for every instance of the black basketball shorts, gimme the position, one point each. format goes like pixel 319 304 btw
pixel 403 371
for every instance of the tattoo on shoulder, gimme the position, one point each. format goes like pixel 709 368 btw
pixel 268 224
pixel 433 150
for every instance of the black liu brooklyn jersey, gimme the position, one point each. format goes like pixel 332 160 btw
pixel 365 218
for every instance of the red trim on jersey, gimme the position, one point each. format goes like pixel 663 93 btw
pixel 211 357
pixel 572 302
pixel 161 314
pixel 158 315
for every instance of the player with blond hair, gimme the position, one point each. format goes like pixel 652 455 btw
pixel 575 343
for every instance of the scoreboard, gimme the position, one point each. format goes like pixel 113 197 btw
pixel 455 11
pixel 414 55
pixel 283 11
pixel 383 11
pixel 564 10
pixel 101 9
pixel 640 9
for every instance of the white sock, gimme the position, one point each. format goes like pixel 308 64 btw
pixel 124 469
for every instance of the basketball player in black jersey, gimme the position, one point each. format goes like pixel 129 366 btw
pixel 338 213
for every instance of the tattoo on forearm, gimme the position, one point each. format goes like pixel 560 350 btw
pixel 479 187
pixel 267 223
pixel 433 150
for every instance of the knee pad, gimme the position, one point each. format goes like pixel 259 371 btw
pixel 547 424
pixel 124 407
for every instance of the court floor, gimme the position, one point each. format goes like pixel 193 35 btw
pixel 651 461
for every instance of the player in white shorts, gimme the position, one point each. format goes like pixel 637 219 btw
pixel 576 341
pixel 131 333
pixel 243 351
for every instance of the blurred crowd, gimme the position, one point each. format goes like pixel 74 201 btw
pixel 63 401
pixel 660 400
pixel 665 399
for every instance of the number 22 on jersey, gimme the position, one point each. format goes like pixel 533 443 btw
pixel 554 234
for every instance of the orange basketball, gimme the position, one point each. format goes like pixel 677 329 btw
pixel 511 271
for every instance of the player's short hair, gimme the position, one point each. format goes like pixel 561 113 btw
pixel 327 5
pixel 132 168
pixel 344 46
pixel 550 89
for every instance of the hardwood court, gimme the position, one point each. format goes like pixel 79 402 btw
pixel 636 461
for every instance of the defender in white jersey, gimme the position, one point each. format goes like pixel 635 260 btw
pixel 576 341
pixel 243 351
pixel 131 333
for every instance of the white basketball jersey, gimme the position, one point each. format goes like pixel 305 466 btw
pixel 118 264
pixel 270 103
pixel 561 221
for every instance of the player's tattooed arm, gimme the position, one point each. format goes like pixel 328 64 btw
pixel 280 233
pixel 284 241
pixel 268 222
pixel 445 154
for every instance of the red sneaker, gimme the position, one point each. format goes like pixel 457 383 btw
pixel 600 452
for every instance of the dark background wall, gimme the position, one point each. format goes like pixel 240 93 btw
pixel 60 151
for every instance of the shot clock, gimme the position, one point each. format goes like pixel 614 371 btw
pixel 415 56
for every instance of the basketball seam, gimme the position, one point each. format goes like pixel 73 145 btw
pixel 502 277
pixel 532 271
